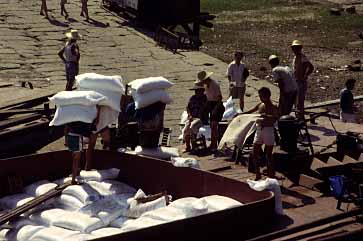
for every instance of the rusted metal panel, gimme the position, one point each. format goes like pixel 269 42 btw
pixel 154 175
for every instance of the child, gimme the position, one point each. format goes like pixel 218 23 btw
pixel 265 130
pixel 347 107
pixel 194 109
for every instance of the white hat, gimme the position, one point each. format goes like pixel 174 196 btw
pixel 73 34
pixel 203 75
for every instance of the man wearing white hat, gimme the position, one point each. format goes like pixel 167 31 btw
pixel 70 56
pixel 282 75
pixel 302 68
pixel 214 106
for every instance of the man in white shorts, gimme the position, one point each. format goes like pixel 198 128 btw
pixel 265 130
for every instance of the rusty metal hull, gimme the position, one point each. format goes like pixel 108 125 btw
pixel 153 175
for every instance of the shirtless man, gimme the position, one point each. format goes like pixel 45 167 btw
pixel 265 130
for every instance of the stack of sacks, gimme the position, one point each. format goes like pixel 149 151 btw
pixel 74 106
pixel 230 111
pixel 149 91
pixel 109 86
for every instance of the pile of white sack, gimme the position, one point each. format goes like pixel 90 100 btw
pixel 80 105
pixel 150 90
pixel 100 207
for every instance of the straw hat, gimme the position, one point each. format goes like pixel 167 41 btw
pixel 197 85
pixel 73 34
pixel 203 75
pixel 296 43
pixel 272 56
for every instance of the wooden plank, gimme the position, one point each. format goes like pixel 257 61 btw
pixel 329 103
pixel 333 162
pixel 19 120
pixel 316 164
pixel 16 212
pixel 309 182
pixel 214 165
pixel 348 159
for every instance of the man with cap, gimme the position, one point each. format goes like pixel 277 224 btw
pixel 282 75
pixel 194 108
pixel 214 107
pixel 302 68
pixel 70 55
pixel 237 74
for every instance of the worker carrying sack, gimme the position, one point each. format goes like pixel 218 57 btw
pixel 149 84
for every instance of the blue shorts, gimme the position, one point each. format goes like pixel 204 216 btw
pixel 72 70
pixel 74 142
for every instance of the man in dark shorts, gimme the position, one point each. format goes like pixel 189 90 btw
pixel 214 106
pixel 74 139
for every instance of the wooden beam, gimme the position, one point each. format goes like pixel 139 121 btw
pixel 329 103
pixel 20 120
pixel 16 212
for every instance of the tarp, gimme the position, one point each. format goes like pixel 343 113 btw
pixel 238 131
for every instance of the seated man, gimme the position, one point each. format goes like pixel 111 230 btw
pixel 265 130
pixel 194 109
pixel 347 107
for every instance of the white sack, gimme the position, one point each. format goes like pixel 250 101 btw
pixel 80 237
pixel 97 82
pixel 111 187
pixel 149 84
pixel 103 232
pixel 151 97
pixel 119 222
pixel 165 214
pixel 100 175
pixel 73 113
pixel 229 104
pixel 136 209
pixel 27 232
pixel 270 184
pixel 53 234
pixel 205 131
pixel 112 98
pixel 185 162
pixel 15 200
pixel 84 193
pixel 229 114
pixel 139 223
pixel 107 116
pixel 161 152
pixel 191 206
pixel 106 209
pixel 39 188
pixel 183 117
pixel 217 203
pixel 75 97
pixel 69 202
pixel 71 220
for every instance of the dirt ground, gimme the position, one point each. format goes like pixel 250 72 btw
pixel 330 42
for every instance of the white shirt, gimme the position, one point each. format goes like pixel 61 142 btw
pixel 236 73
pixel 284 73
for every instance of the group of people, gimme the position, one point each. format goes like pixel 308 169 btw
pixel 84 9
pixel 207 101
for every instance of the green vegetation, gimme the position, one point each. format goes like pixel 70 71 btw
pixel 217 6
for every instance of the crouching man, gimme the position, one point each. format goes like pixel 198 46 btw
pixel 194 108
pixel 265 131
